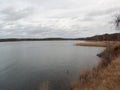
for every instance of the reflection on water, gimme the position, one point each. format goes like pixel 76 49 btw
pixel 30 65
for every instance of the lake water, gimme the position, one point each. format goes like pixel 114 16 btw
pixel 27 65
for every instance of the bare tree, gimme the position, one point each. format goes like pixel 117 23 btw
pixel 117 21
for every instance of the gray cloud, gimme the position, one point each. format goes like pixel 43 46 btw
pixel 53 18
pixel 103 12
pixel 11 14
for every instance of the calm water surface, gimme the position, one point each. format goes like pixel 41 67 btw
pixel 27 65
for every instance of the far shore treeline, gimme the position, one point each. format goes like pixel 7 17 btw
pixel 104 37
pixel 35 39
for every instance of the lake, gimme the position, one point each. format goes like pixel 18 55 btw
pixel 27 65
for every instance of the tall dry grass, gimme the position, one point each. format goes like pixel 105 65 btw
pixel 104 76
pixel 94 44
pixel 97 43
pixel 44 86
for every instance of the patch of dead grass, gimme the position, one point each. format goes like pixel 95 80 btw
pixel 104 76
pixel 97 43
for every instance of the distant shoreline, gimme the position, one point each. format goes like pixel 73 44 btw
pixel 104 37
pixel 46 39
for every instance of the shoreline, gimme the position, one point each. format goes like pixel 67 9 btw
pixel 96 43
pixel 105 75
pixel 37 39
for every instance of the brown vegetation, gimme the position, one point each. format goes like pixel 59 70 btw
pixel 97 43
pixel 105 37
pixel 44 86
pixel 112 51
pixel 104 76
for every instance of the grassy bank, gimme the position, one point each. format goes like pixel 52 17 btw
pixel 96 43
pixel 104 76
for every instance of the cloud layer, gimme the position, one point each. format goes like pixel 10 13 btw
pixel 53 18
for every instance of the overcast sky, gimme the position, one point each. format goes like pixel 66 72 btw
pixel 57 18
